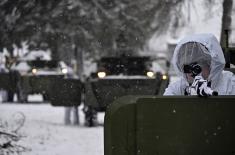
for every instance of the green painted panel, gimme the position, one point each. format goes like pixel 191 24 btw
pixel 8 81
pixel 183 126
pixel 108 90
pixel 38 84
pixel 66 92
pixel 175 125
pixel 5 81
pixel 119 127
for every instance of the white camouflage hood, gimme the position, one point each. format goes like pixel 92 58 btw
pixel 214 50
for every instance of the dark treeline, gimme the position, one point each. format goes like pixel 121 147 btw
pixel 94 26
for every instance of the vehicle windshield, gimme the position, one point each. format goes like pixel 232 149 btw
pixel 43 64
pixel 125 65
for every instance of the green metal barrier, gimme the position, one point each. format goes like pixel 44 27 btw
pixel 66 92
pixel 4 81
pixel 30 84
pixel 107 90
pixel 8 81
pixel 38 84
pixel 170 126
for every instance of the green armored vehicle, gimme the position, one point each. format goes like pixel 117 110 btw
pixel 120 76
pixel 36 75
pixel 38 78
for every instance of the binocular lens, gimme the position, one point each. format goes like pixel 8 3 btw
pixel 187 69
pixel 193 68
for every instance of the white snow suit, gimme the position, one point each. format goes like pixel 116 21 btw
pixel 221 81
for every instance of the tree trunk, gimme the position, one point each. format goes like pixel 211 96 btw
pixel 226 21
pixel 80 63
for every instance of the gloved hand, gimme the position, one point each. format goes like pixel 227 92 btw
pixel 201 87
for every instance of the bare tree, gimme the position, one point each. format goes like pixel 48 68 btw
pixel 9 135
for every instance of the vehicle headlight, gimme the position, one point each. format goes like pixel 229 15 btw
pixel 101 74
pixel 150 74
pixel 34 70
pixel 64 70
pixel 164 77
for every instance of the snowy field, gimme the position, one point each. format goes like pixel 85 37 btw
pixel 44 132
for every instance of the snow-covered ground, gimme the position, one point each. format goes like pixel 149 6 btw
pixel 44 132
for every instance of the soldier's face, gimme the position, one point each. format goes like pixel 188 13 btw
pixel 205 74
pixel 189 77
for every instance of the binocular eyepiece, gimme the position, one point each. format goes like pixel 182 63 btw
pixel 193 68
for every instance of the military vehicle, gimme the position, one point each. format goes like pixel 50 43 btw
pixel 36 76
pixel 120 76
pixel 33 73
pixel 55 80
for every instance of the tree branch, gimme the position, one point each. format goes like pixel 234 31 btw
pixel 9 134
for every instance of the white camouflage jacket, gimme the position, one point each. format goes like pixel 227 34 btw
pixel 222 81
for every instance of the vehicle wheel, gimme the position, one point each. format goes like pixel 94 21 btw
pixel 10 96
pixel 90 116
